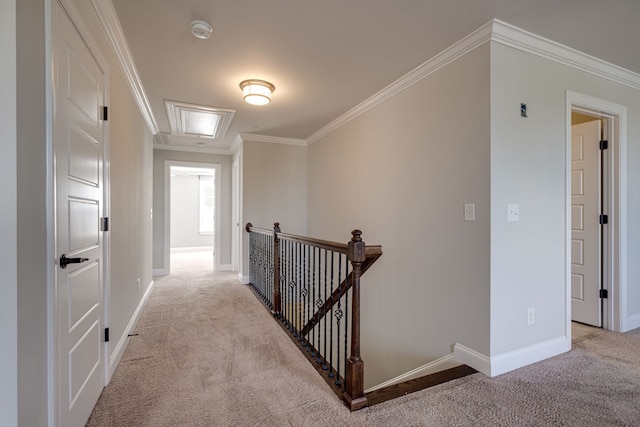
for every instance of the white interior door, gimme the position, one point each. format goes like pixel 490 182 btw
pixel 585 223
pixel 78 152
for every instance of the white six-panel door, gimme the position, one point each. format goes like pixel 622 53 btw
pixel 585 224
pixel 78 152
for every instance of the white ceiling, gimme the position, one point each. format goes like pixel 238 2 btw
pixel 327 56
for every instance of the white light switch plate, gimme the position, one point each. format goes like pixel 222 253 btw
pixel 513 212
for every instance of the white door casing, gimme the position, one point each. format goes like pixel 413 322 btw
pixel 78 145
pixel 585 226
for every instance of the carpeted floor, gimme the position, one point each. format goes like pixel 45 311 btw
pixel 208 354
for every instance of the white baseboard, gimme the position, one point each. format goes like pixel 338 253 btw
pixel 225 267
pixel 192 249
pixel 444 363
pixel 470 357
pixel 243 279
pixel 159 272
pixel 118 351
pixel 632 322
pixel 509 361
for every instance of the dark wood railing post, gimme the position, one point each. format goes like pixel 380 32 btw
pixel 354 393
pixel 277 303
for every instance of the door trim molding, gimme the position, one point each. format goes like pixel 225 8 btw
pixel 615 313
pixel 70 10
pixel 166 268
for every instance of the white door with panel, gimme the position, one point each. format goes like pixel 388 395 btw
pixel 78 138
pixel 585 223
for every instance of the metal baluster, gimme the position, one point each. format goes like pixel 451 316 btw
pixel 331 323
pixel 346 316
pixel 312 340
pixel 308 305
pixel 338 315
pixel 323 351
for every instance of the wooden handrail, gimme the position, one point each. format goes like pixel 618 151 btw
pixel 361 257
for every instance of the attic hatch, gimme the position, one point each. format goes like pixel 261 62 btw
pixel 198 121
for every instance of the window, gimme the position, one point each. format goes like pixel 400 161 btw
pixel 207 204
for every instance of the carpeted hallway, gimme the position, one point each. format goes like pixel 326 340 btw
pixel 208 354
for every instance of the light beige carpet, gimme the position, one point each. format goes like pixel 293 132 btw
pixel 208 354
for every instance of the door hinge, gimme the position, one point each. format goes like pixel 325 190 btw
pixel 604 144
pixel 604 293
pixel 104 224
pixel 105 113
pixel 604 219
pixel 106 334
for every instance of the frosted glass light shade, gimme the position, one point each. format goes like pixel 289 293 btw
pixel 257 92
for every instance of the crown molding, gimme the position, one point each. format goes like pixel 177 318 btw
pixel 272 139
pixel 493 31
pixel 469 43
pixel 517 38
pixel 218 151
pixel 109 20
pixel 237 143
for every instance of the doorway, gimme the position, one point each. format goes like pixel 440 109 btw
pixel 606 256
pixel 192 212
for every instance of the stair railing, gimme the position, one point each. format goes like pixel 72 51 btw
pixel 312 287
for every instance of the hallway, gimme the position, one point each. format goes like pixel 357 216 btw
pixel 206 353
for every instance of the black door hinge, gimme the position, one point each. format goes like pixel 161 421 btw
pixel 604 219
pixel 604 144
pixel 106 334
pixel 104 224
pixel 105 113
pixel 604 293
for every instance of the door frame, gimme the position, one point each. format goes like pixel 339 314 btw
pixel 53 355
pixel 167 211
pixel 614 246
pixel 235 214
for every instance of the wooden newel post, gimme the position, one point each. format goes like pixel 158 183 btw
pixel 353 396
pixel 277 303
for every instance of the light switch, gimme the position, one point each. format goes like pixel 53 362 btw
pixel 470 212
pixel 513 212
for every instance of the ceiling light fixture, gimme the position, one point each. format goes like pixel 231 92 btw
pixel 201 29
pixel 257 92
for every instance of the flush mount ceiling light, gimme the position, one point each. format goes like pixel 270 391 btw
pixel 257 92
pixel 201 29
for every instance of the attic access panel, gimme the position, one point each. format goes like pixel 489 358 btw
pixel 198 121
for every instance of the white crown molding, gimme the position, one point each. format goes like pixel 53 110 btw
pixel 457 50
pixel 493 31
pixel 109 20
pixel 205 150
pixel 272 139
pixel 237 143
pixel 517 38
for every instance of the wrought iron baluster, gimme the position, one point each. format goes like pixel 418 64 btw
pixel 331 340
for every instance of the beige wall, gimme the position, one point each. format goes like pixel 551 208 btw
pixel 159 158
pixel 402 173
pixel 577 118
pixel 8 217
pixel 274 188
pixel 528 167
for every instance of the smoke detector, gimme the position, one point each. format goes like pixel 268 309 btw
pixel 201 29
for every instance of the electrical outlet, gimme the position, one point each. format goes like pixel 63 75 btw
pixel 470 212
pixel 138 285
pixel 531 316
